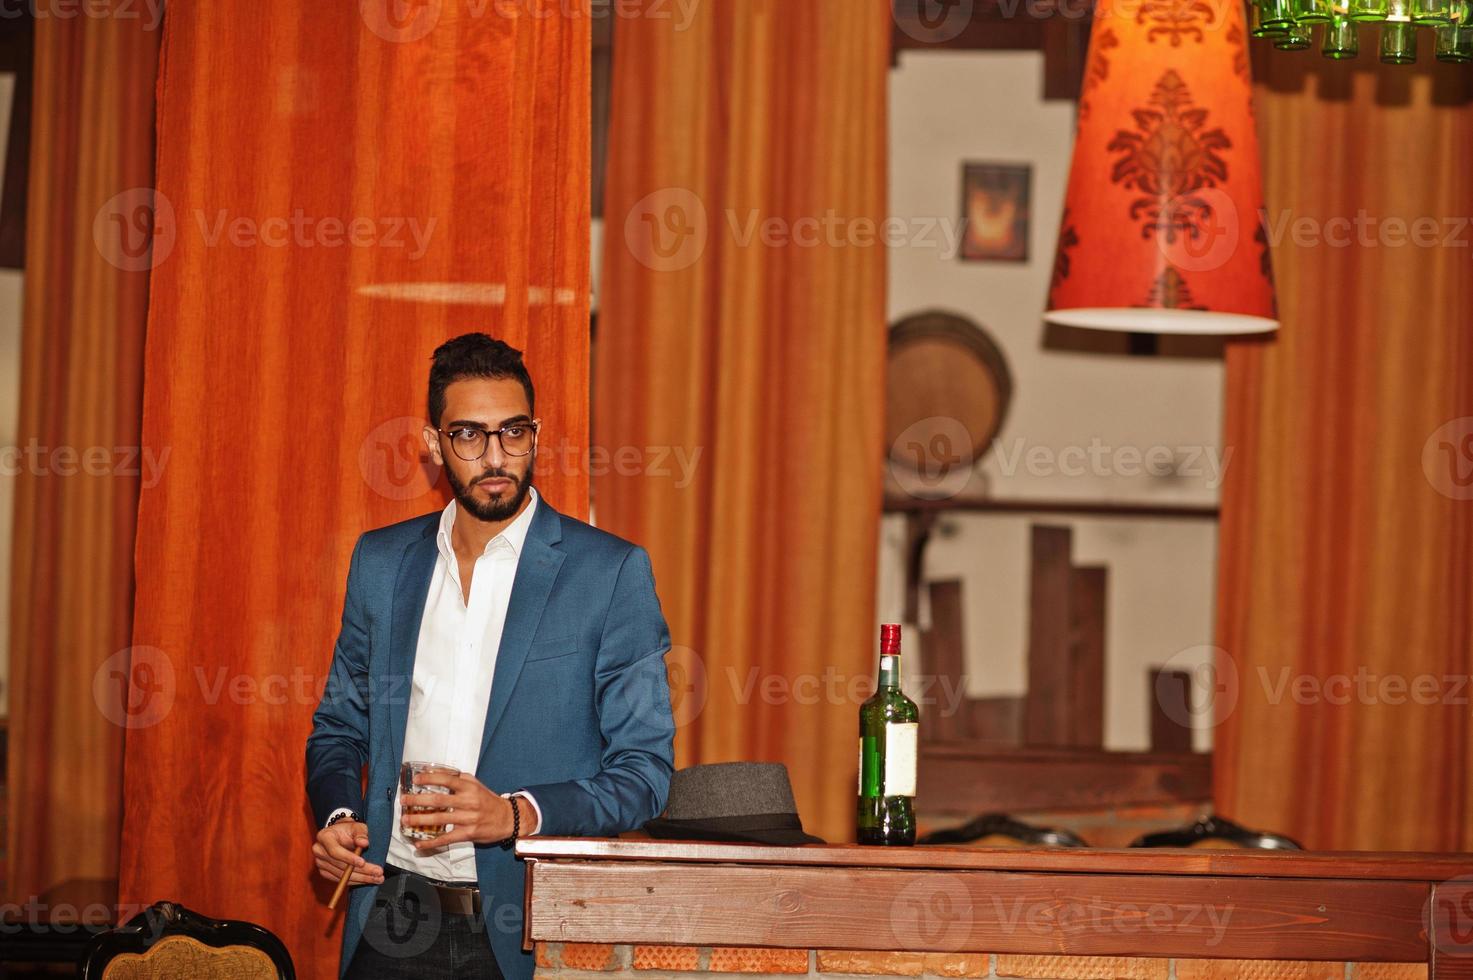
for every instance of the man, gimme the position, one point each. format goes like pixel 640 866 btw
pixel 522 647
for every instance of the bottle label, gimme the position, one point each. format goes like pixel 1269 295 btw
pixel 900 758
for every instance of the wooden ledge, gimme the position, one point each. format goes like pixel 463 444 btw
pixel 1338 865
pixel 1207 904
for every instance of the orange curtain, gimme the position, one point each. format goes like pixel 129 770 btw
pixel 347 186
pixel 1346 585
pixel 78 463
pixel 740 369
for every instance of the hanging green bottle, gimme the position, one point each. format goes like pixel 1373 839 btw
pixel 1276 15
pixel 1431 13
pixel 1455 44
pixel 1369 11
pixel 1398 43
pixel 1256 26
pixel 1341 40
pixel 1313 11
pixel 1297 38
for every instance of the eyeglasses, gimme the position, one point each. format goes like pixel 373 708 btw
pixel 470 441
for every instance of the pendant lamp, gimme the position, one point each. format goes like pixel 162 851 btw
pixel 1161 230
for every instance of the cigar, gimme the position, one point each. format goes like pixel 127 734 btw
pixel 343 881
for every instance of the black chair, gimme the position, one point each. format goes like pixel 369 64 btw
pixel 1217 832
pixel 166 941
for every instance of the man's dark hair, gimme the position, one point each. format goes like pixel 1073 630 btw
pixel 475 355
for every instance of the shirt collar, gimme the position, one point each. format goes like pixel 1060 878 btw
pixel 514 536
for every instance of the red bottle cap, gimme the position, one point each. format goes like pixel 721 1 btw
pixel 890 638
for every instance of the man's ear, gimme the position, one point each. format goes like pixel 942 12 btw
pixel 432 443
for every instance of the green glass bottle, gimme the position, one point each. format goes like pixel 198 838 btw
pixel 1315 11
pixel 1256 26
pixel 1455 44
pixel 1432 13
pixel 1398 43
pixel 1275 15
pixel 1341 40
pixel 1369 11
pixel 888 726
pixel 1296 38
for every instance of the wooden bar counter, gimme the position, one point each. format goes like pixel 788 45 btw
pixel 645 907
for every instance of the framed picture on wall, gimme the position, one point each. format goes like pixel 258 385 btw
pixel 996 211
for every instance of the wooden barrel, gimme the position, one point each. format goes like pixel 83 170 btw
pixel 947 392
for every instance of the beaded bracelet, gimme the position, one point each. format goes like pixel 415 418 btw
pixel 516 822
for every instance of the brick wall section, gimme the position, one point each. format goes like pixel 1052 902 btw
pixel 598 961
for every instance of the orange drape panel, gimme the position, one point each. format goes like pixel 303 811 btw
pixel 1347 535
pixel 747 372
pixel 286 368
pixel 86 296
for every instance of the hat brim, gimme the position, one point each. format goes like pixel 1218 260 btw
pixel 734 831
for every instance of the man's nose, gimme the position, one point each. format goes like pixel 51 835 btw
pixel 494 455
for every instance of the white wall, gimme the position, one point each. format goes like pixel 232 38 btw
pixel 1082 416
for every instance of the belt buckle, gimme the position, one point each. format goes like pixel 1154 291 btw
pixel 459 901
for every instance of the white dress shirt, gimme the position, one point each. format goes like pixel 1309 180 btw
pixel 454 663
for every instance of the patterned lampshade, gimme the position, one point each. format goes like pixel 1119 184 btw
pixel 1161 230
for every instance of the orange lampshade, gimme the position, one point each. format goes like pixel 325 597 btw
pixel 1161 230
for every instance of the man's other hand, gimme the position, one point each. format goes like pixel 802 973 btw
pixel 333 852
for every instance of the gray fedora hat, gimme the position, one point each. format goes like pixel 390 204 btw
pixel 749 802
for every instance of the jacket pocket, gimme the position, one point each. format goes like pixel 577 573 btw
pixel 552 649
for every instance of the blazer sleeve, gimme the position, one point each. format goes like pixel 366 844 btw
pixel 338 746
pixel 633 701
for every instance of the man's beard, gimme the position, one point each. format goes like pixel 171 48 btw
pixel 491 510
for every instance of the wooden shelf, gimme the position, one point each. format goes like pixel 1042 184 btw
pixel 1274 905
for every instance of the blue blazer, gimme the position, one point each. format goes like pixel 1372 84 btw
pixel 579 713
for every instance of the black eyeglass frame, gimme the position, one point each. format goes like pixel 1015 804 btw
pixel 534 424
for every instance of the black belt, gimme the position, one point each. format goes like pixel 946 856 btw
pixel 455 897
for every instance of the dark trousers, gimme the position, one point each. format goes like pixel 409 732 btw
pixel 407 937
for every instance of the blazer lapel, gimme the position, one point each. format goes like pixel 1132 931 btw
pixel 411 588
pixel 537 570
